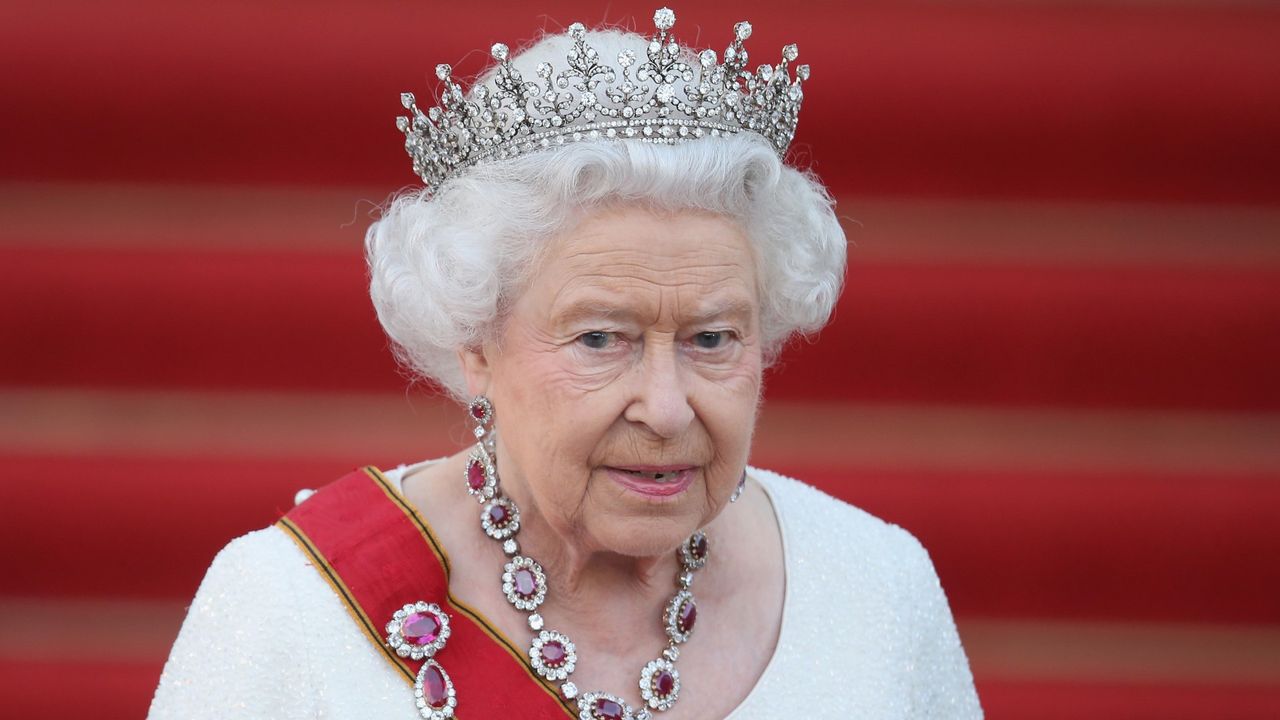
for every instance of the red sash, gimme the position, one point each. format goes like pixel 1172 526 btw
pixel 378 554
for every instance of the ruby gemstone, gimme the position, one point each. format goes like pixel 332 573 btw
pixel 699 547
pixel 475 475
pixel 687 616
pixel 477 411
pixel 607 709
pixel 420 628
pixel 525 583
pixel 553 654
pixel 664 683
pixel 434 688
pixel 498 515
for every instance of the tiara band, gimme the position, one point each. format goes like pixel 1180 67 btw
pixel 660 98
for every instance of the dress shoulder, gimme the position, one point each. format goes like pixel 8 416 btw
pixel 270 636
pixel 231 658
pixel 865 615
pixel 810 514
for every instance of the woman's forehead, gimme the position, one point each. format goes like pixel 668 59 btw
pixel 637 240
pixel 640 266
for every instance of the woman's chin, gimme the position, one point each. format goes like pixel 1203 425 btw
pixel 642 536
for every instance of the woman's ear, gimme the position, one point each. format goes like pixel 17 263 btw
pixel 476 369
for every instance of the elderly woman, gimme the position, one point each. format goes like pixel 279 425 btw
pixel 607 254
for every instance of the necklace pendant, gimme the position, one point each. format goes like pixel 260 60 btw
pixel 553 655
pixel 660 684
pixel 500 518
pixel 524 583
pixel 694 551
pixel 603 706
pixel 681 614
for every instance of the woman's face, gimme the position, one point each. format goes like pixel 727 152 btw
pixel 633 352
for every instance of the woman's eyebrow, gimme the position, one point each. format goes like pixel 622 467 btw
pixel 590 309
pixel 738 309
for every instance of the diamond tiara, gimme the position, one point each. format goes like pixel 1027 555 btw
pixel 661 98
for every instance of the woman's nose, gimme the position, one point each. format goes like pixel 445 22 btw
pixel 661 400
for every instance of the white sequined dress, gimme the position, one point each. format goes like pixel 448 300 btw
pixel 868 637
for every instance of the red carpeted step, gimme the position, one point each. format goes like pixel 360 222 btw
pixel 1152 101
pixel 1177 336
pixel 1064 700
pixel 154 524
pixel 38 690
pixel 1032 544
pixel 48 689
pixel 1083 336
pixel 1088 545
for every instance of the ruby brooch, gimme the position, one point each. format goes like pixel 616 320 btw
pixel 552 654
pixel 433 692
pixel 417 631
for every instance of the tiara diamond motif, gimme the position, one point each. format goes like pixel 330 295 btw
pixel 660 98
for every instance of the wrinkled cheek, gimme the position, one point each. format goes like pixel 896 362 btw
pixel 563 426
pixel 735 418
pixel 530 380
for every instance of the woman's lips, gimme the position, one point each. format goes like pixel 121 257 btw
pixel 677 479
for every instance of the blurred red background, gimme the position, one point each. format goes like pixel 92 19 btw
pixel 1055 360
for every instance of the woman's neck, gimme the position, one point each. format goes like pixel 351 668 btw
pixel 592 588
pixel 609 604
pixel 589 593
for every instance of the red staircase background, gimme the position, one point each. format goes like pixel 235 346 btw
pixel 1055 360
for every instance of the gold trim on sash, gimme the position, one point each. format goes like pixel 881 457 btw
pixel 339 587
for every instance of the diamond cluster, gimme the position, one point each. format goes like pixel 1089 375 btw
pixel 663 97
pixel 418 630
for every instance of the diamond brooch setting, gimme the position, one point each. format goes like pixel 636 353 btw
pixel 418 630
pixel 433 692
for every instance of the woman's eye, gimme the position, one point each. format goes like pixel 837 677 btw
pixel 711 340
pixel 596 339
